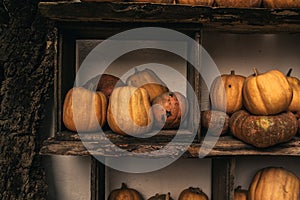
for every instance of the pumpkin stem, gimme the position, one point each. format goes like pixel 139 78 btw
pixel 232 72
pixel 124 186
pixel 168 196
pixel 195 190
pixel 289 72
pixel 255 71
pixel 136 70
pixel 238 188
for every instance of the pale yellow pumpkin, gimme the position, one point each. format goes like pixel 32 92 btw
pixel 281 3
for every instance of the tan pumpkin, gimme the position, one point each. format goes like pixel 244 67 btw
pixel 295 85
pixel 196 2
pixel 263 131
pixel 192 193
pixel 84 110
pixel 161 197
pixel 240 194
pixel 169 110
pixel 129 111
pixel 274 183
pixel 239 3
pixel 125 193
pixel 226 93
pixel 267 94
pixel 149 81
pixel 281 3
pixel 216 121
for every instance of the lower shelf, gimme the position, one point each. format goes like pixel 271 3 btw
pixel 67 143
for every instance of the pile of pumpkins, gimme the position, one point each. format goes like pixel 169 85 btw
pixel 260 110
pixel 142 104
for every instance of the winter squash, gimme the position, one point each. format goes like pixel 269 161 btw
pixel 238 3
pixel 263 131
pixel 226 92
pixel 90 112
pixel 192 193
pixel 169 110
pixel 104 83
pixel 149 81
pixel 281 3
pixel 216 121
pixel 161 197
pixel 274 183
pixel 196 2
pixel 295 85
pixel 267 94
pixel 125 193
pixel 240 194
pixel 129 111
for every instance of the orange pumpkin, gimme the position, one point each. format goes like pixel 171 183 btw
pixel 281 3
pixel 192 193
pixel 295 85
pixel 125 193
pixel 240 194
pixel 90 111
pixel 161 197
pixel 239 3
pixel 215 121
pixel 196 2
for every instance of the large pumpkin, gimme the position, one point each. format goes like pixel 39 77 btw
pixel 129 111
pixel 238 3
pixel 226 92
pixel 125 193
pixel 267 94
pixel 216 121
pixel 89 113
pixel 281 3
pixel 196 2
pixel 240 194
pixel 192 193
pixel 263 131
pixel 161 197
pixel 169 110
pixel 274 183
pixel 295 85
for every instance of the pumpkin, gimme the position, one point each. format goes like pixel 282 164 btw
pixel 274 183
pixel 196 2
pixel 240 194
pixel 104 83
pixel 125 193
pixel 161 197
pixel 90 111
pixel 215 121
pixel 154 1
pixel 263 131
pixel 149 81
pixel 192 193
pixel 129 111
pixel 267 94
pixel 169 110
pixel 226 92
pixel 281 3
pixel 239 3
pixel 295 85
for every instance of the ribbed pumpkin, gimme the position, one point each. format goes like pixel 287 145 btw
pixel 240 194
pixel 125 193
pixel 281 3
pixel 169 110
pixel 192 193
pixel 263 131
pixel 84 110
pixel 295 85
pixel 196 2
pixel 239 3
pixel 129 111
pixel 149 81
pixel 267 94
pixel 274 183
pixel 161 197
pixel 226 92
pixel 216 121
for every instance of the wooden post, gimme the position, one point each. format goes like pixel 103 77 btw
pixel 97 180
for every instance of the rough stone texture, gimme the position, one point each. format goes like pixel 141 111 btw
pixel 27 50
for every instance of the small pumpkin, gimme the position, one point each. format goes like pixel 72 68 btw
pixel 192 193
pixel 263 131
pixel 295 85
pixel 281 3
pixel 216 121
pixel 125 193
pixel 161 197
pixel 267 94
pixel 149 81
pixel 239 3
pixel 274 183
pixel 129 111
pixel 226 92
pixel 104 83
pixel 169 110
pixel 240 194
pixel 90 111
pixel 196 2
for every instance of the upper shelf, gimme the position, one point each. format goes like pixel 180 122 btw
pixel 220 19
